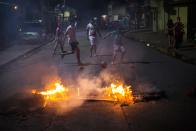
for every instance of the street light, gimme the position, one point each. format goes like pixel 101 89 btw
pixel 15 7
pixel 12 6
pixel 104 17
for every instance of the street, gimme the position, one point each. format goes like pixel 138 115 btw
pixel 143 68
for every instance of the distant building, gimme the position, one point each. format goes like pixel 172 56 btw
pixel 162 10
pixel 116 11
pixel 154 14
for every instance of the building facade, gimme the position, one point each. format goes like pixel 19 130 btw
pixel 162 10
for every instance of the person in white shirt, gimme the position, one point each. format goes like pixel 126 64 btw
pixel 92 31
pixel 72 41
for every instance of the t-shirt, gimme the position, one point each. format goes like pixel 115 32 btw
pixel 117 38
pixel 179 29
pixel 71 34
pixel 170 26
pixel 91 30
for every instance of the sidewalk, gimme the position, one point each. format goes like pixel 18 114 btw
pixel 159 41
pixel 18 50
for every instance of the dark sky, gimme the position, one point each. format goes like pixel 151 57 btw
pixel 91 4
pixel 88 4
pixel 89 7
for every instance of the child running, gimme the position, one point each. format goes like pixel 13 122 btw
pixel 71 35
pixel 118 45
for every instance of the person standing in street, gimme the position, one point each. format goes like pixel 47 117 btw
pixel 92 32
pixel 170 29
pixel 72 41
pixel 59 40
pixel 179 32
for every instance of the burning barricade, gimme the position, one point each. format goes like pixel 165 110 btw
pixel 59 93
pixel 120 92
pixel 117 92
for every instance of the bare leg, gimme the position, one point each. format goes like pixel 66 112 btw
pixel 169 37
pixel 78 56
pixel 122 56
pixel 95 49
pixel 173 42
pixel 114 57
pixel 61 45
pixel 55 47
pixel 91 50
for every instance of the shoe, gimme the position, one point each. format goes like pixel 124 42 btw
pixel 80 64
pixel 62 56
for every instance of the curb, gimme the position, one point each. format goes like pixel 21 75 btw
pixel 25 54
pixel 173 53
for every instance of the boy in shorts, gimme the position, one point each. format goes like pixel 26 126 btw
pixel 71 36
pixel 117 43
pixel 92 31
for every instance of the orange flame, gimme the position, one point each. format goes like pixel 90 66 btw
pixel 120 92
pixel 60 93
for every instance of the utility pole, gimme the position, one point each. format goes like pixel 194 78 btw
pixel 63 12
pixel 64 3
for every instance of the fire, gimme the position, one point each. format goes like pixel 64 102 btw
pixel 60 93
pixel 56 93
pixel 120 92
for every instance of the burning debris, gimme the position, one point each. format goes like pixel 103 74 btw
pixel 117 92
pixel 60 93
pixel 120 92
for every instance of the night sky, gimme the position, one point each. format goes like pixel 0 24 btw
pixel 90 7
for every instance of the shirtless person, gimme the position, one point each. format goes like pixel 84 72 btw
pixel 71 36
pixel 59 40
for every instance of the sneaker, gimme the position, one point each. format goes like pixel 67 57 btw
pixel 112 62
pixel 80 64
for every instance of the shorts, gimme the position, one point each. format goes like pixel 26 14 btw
pixel 74 45
pixel 118 48
pixel 92 40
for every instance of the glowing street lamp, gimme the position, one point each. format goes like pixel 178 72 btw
pixel 15 7
pixel 104 17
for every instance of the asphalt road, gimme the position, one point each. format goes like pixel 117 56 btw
pixel 145 69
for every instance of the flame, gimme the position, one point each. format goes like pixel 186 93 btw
pixel 116 91
pixel 60 93
pixel 120 92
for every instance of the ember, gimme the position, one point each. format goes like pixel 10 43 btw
pixel 60 93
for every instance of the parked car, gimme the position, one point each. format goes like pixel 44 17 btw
pixel 32 31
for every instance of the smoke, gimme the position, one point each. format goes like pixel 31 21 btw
pixel 89 86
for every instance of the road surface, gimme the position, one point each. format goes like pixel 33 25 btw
pixel 144 68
